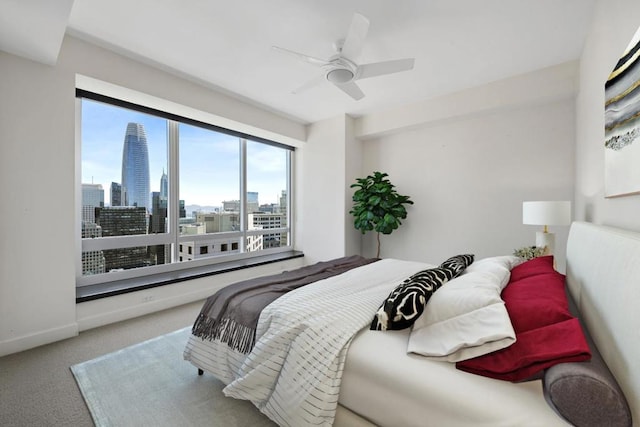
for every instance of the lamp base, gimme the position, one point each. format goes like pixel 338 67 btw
pixel 547 240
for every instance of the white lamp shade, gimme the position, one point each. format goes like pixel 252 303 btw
pixel 546 213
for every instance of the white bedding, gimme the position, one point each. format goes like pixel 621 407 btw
pixel 293 372
pixel 467 318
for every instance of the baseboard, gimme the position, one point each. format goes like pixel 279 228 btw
pixel 48 336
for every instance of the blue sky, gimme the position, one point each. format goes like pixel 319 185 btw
pixel 209 161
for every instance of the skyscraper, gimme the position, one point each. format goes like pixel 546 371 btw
pixel 164 186
pixel 252 196
pixel 159 254
pixel 117 198
pixel 123 221
pixel 135 166
pixel 92 197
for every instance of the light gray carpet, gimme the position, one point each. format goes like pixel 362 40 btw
pixel 37 388
pixel 149 384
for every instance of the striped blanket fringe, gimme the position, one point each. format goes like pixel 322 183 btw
pixel 237 336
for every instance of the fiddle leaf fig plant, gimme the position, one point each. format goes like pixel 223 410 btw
pixel 377 205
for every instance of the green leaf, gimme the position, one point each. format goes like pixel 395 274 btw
pixel 374 200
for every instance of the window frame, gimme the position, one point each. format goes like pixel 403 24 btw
pixel 172 236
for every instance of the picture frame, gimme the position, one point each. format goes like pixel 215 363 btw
pixel 622 124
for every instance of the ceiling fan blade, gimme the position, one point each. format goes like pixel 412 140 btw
pixel 301 56
pixel 355 37
pixel 311 83
pixel 385 67
pixel 351 89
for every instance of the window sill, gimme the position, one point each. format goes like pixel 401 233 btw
pixel 104 290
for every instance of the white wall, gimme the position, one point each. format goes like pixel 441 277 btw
pixel 613 25
pixel 353 160
pixel 37 268
pixel 329 162
pixel 37 188
pixel 469 173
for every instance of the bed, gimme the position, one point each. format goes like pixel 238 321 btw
pixel 313 358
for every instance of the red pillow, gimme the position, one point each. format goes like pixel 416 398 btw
pixel 546 332
pixel 533 267
pixel 537 300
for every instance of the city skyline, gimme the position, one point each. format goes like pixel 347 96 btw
pixel 209 161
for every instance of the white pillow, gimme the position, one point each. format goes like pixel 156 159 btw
pixel 467 318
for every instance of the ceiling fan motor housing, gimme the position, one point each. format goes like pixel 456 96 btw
pixel 340 75
pixel 341 70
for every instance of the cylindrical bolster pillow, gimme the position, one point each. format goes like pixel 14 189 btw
pixel 586 393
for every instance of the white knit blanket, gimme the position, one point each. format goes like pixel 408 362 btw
pixel 294 371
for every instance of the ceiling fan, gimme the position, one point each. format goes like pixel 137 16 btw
pixel 342 69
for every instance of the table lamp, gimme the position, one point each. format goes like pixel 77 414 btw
pixel 546 213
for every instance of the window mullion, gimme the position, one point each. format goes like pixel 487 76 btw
pixel 289 200
pixel 173 208
pixel 244 215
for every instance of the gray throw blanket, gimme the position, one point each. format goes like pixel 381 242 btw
pixel 231 314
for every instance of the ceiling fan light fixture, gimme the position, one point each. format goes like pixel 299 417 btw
pixel 341 70
pixel 340 76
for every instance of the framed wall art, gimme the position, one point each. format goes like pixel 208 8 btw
pixel 622 124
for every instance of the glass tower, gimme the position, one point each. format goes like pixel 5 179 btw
pixel 117 198
pixel 164 186
pixel 135 166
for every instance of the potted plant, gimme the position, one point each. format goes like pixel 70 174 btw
pixel 377 205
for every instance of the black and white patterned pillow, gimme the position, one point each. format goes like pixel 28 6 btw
pixel 407 301
pixel 458 263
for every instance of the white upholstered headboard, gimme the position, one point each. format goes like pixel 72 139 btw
pixel 603 276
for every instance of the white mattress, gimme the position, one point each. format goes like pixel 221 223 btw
pixel 385 385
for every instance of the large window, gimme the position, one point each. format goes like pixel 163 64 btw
pixel 162 192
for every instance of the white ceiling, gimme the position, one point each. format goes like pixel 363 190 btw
pixel 34 29
pixel 457 44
